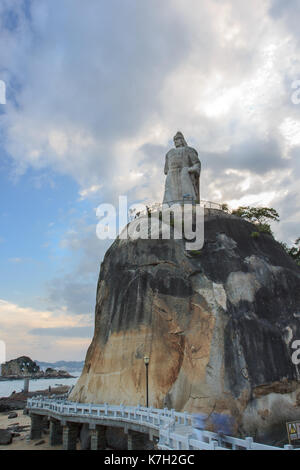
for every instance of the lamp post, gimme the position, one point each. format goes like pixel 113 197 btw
pixel 146 362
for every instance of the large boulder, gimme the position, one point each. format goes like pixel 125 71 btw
pixel 217 324
pixel 5 437
pixel 10 403
pixel 21 367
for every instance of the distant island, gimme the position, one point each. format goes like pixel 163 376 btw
pixel 24 366
pixel 70 366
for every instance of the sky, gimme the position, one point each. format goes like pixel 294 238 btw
pixel 95 92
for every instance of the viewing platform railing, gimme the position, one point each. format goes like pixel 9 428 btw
pixel 158 207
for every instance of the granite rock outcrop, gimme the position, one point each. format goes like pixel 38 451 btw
pixel 217 324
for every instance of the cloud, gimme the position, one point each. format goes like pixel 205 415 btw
pixel 17 326
pixel 75 295
pixel 288 12
pixel 75 332
pixel 91 191
pixel 125 77
pixel 75 287
pixel 97 92
pixel 123 85
pixel 106 71
pixel 256 156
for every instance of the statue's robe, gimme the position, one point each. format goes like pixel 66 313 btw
pixel 180 183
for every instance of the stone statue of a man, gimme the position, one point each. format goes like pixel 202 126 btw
pixel 183 169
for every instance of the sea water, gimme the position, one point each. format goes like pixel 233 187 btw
pixel 8 386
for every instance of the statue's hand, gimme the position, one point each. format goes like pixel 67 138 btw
pixel 193 170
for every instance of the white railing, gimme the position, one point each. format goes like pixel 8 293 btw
pixel 211 205
pixel 151 417
pixel 158 207
pixel 175 428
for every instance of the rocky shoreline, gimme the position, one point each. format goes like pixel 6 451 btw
pixel 66 375
pixel 15 421
pixel 17 401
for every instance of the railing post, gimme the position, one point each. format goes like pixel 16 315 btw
pixel 214 444
pixel 168 436
pixel 249 442
pixel 105 409
pixel 151 412
pixel 220 439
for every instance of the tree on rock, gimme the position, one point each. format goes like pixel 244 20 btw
pixel 259 216
pixel 293 251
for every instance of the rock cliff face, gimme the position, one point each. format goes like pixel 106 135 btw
pixel 217 325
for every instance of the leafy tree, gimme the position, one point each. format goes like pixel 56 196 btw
pixel 294 251
pixel 259 216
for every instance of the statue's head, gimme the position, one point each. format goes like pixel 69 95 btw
pixel 179 140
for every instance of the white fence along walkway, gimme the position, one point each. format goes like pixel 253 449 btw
pixel 175 429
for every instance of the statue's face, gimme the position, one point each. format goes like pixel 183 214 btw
pixel 179 142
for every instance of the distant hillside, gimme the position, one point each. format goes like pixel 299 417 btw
pixel 69 366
